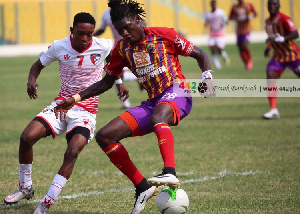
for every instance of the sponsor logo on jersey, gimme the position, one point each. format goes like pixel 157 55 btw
pixel 67 56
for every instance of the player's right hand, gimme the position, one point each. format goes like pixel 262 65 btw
pixel 32 90
pixel 63 107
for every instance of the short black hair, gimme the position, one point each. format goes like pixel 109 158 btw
pixel 83 18
pixel 124 8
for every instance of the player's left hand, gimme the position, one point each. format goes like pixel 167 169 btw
pixel 32 90
pixel 63 107
pixel 123 92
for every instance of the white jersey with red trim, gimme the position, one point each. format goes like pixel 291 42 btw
pixel 217 20
pixel 78 69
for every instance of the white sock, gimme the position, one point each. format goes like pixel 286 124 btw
pixel 216 61
pixel 126 103
pixel 224 54
pixel 25 179
pixel 57 184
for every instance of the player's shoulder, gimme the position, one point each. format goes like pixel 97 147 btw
pixel 160 31
pixel 220 11
pixel 283 16
pixel 61 43
pixel 102 42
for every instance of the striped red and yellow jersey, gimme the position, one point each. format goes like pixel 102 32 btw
pixel 240 13
pixel 154 60
pixel 282 24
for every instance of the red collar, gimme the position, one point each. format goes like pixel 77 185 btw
pixel 80 51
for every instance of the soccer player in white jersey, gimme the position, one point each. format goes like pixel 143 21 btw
pixel 217 21
pixel 127 75
pixel 81 60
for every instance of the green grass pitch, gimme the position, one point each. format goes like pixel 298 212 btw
pixel 228 159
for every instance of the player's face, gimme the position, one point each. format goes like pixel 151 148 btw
pixel 273 7
pixel 82 35
pixel 213 5
pixel 131 29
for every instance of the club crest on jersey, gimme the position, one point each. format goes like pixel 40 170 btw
pixel 150 48
pixel 180 42
pixel 95 58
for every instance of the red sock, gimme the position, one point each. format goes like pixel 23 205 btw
pixel 272 94
pixel 118 155
pixel 244 56
pixel 166 143
pixel 272 101
pixel 248 54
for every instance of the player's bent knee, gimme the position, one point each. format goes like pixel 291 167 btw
pixel 102 138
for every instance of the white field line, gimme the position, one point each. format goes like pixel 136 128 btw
pixel 195 180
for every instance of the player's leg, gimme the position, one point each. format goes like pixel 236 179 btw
pixel 212 47
pixel 242 42
pixel 109 138
pixel 76 139
pixel 221 50
pixel 274 70
pixel 170 109
pixel 79 127
pixel 34 131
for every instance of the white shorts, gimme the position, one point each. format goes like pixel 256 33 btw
pixel 76 116
pixel 219 42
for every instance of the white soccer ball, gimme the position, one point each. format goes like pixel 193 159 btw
pixel 172 201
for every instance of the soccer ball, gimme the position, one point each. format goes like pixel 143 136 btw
pixel 172 201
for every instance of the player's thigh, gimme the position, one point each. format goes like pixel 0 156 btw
pixel 82 122
pixel 274 69
pixel 178 101
pixel 295 67
pixel 34 131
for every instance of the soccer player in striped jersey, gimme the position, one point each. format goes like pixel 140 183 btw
pixel 242 13
pixel 81 61
pixel 281 32
pixel 152 55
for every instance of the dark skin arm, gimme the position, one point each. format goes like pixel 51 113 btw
pixel 291 36
pixel 32 86
pixel 202 59
pixel 204 64
pixel 99 32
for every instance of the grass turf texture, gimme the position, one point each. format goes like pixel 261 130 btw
pixel 228 159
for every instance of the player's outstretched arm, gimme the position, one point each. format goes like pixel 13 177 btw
pixel 97 88
pixel 202 59
pixel 32 85
pixel 204 64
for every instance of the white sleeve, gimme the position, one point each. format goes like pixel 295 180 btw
pixel 104 23
pixel 48 56
pixel 108 45
pixel 224 17
pixel 206 15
